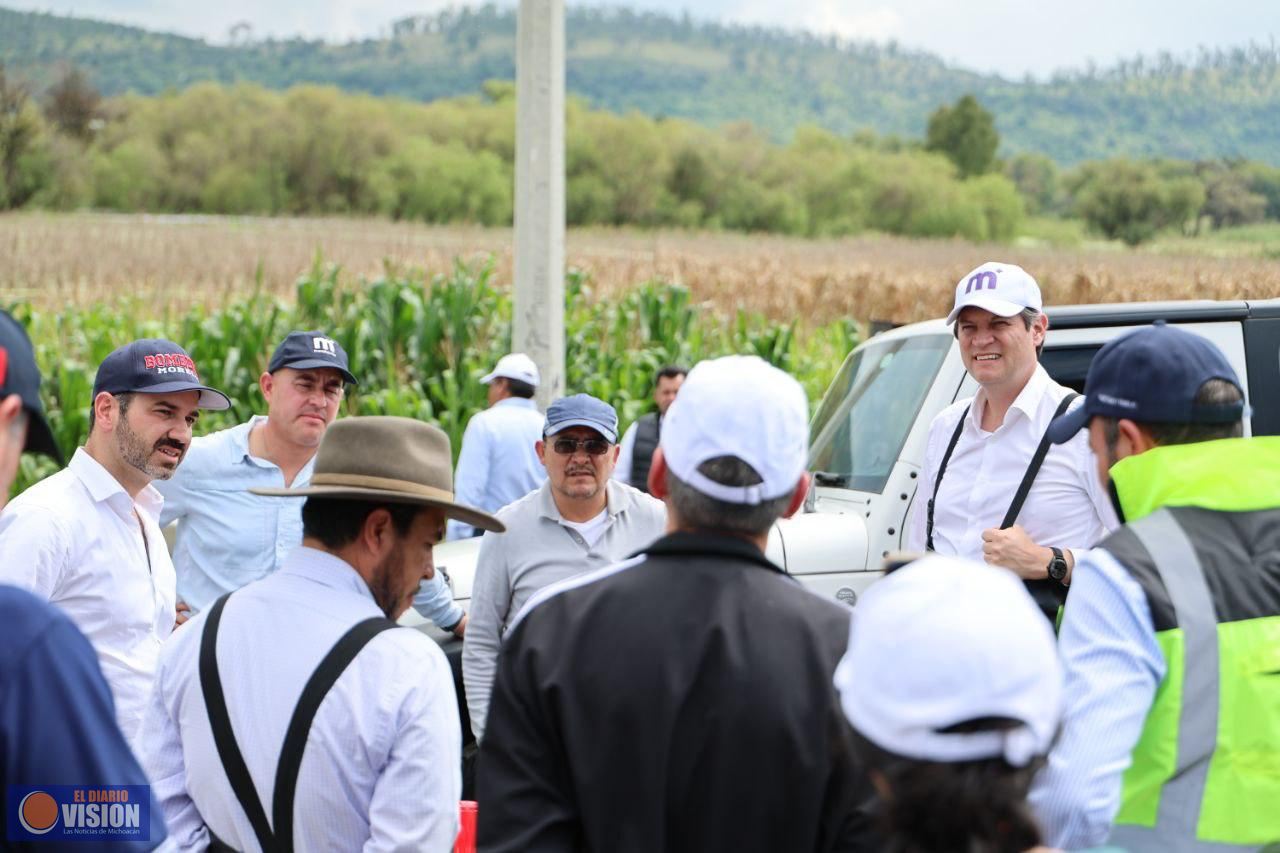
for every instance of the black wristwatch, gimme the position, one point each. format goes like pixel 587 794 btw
pixel 1058 566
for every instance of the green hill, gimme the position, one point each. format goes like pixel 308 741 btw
pixel 1223 104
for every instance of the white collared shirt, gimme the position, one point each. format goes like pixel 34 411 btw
pixel 73 539
pixel 382 766
pixel 1066 506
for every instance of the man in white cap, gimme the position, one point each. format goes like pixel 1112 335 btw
pixel 955 693
pixel 683 699
pixel 497 463
pixel 992 487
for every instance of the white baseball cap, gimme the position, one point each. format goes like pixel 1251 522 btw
pixel 516 366
pixel 1002 289
pixel 741 406
pixel 944 641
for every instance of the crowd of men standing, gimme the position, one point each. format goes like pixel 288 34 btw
pixel 638 674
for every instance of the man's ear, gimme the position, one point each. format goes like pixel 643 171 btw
pixel 378 533
pixel 1137 437
pixel 797 499
pixel 658 475
pixel 106 410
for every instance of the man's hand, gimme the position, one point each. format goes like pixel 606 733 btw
pixel 1013 549
pixel 182 615
pixel 461 627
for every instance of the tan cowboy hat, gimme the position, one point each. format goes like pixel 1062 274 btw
pixel 378 458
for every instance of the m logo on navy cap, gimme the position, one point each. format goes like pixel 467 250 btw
pixel 311 350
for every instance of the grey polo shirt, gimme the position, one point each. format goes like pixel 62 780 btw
pixel 539 549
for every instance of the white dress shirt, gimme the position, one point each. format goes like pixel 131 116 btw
pixel 382 766
pixel 1066 506
pixel 74 540
pixel 498 463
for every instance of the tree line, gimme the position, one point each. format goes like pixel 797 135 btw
pixel 1221 103
pixel 243 149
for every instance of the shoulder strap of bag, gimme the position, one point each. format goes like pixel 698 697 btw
pixel 1024 488
pixel 937 481
pixel 224 738
pixel 295 739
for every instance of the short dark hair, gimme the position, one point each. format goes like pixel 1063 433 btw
pixel 701 511
pixel 124 398
pixel 964 805
pixel 670 371
pixel 518 388
pixel 336 522
pixel 1214 393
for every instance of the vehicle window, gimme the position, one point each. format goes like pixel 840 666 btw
pixel 1069 365
pixel 868 411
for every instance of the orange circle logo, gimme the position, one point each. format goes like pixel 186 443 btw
pixel 38 812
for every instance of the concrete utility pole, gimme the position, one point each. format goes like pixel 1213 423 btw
pixel 539 213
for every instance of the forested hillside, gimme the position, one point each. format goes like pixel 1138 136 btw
pixel 1224 104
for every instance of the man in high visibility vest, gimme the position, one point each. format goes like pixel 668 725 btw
pixel 1171 637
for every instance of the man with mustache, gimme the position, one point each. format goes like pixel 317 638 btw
pixel 580 519
pixel 992 488
pixel 297 696
pixel 88 538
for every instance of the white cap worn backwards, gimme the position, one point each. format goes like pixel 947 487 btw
pixel 738 406
pixel 516 366
pixel 1002 289
pixel 944 641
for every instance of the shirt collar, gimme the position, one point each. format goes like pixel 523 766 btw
pixel 238 439
pixel 711 543
pixel 616 497
pixel 519 402
pixel 104 488
pixel 1027 401
pixel 328 570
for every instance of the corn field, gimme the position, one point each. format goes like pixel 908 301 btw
pixel 418 344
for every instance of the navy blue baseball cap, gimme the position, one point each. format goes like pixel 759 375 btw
pixel 1152 375
pixel 154 366
pixel 308 350
pixel 585 411
pixel 19 375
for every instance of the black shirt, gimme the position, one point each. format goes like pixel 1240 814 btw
pixel 680 701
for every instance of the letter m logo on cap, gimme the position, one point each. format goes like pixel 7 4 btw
pixel 324 345
pixel 986 279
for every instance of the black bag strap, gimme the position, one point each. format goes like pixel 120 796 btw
pixel 224 738
pixel 937 481
pixel 295 739
pixel 1024 488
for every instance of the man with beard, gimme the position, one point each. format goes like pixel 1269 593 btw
pixel 308 659
pixel 580 519
pixel 88 539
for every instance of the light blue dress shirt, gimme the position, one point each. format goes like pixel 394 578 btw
pixel 498 464
pixel 1113 666
pixel 228 537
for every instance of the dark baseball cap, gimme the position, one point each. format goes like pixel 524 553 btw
pixel 307 350
pixel 154 366
pixel 19 375
pixel 1152 375
pixel 582 410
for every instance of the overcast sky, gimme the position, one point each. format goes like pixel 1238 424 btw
pixel 1009 37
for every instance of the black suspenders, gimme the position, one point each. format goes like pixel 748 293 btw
pixel 1024 488
pixel 295 740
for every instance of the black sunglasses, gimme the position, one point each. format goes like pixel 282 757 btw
pixel 569 446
